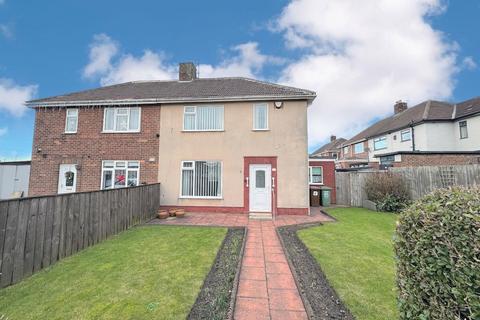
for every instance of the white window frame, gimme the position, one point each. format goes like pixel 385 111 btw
pixel 405 131
pixel 115 113
pixel 113 173
pixel 346 150
pixel 196 119
pixel 255 113
pixel 355 148
pixel 377 140
pixel 310 175
pixel 460 128
pixel 220 196
pixel 67 117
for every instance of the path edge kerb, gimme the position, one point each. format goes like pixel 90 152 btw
pixel 296 277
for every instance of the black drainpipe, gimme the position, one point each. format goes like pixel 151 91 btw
pixel 413 136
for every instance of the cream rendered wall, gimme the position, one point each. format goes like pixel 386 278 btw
pixel 472 143
pixel 393 145
pixel 286 139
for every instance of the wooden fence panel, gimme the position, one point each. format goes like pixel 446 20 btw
pixel 37 232
pixel 420 181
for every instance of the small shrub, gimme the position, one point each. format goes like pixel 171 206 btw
pixel 437 244
pixel 388 190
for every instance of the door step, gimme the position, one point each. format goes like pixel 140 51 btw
pixel 260 216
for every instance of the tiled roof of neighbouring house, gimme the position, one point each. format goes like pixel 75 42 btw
pixel 426 111
pixel 198 90
pixel 331 146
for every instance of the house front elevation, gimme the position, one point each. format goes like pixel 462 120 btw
pixel 218 144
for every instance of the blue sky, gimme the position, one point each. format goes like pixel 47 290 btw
pixel 46 47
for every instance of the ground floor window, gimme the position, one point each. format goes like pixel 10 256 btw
pixel 120 174
pixel 201 179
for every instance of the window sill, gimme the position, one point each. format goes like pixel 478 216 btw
pixel 316 183
pixel 137 131
pixel 201 198
pixel 260 130
pixel 222 130
pixel 70 132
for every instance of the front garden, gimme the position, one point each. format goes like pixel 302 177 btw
pixel 356 255
pixel 150 272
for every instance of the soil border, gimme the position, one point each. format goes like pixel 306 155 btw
pixel 222 270
pixel 319 297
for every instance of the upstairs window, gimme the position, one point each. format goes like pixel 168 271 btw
pixel 201 179
pixel 380 143
pixel 203 118
pixel 260 116
pixel 315 175
pixel 345 150
pixel 71 121
pixel 358 148
pixel 121 119
pixel 120 174
pixel 463 129
pixel 406 135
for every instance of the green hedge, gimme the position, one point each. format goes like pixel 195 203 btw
pixel 437 244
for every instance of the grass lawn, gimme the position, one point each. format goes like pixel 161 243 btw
pixel 152 272
pixel 356 254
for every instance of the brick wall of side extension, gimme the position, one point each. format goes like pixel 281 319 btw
pixel 88 147
pixel 418 160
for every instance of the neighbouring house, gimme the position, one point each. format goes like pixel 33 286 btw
pixel 14 179
pixel 428 134
pixel 214 144
pixel 321 180
pixel 330 150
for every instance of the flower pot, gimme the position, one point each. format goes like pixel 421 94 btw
pixel 180 213
pixel 172 212
pixel 162 214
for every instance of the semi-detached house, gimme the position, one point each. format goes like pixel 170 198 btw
pixel 214 144
pixel 431 133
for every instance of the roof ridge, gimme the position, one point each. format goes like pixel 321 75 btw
pixel 277 85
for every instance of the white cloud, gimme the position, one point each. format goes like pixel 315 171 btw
pixel 13 96
pixel 3 131
pixel 361 56
pixel 469 63
pixel 248 62
pixel 110 67
pixel 6 31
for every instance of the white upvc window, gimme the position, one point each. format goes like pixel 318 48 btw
pixel 201 179
pixel 380 143
pixel 315 175
pixel 203 118
pixel 345 150
pixel 260 116
pixel 406 135
pixel 121 119
pixel 463 129
pixel 71 121
pixel 120 174
pixel 358 147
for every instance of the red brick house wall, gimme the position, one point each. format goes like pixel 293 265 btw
pixel 88 147
pixel 328 176
pixel 418 160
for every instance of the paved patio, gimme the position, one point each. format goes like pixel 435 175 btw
pixel 266 289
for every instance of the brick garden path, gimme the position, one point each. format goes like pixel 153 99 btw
pixel 266 289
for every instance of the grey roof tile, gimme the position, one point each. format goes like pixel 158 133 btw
pixel 170 91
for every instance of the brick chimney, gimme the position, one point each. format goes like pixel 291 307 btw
pixel 399 106
pixel 187 71
pixel 333 138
